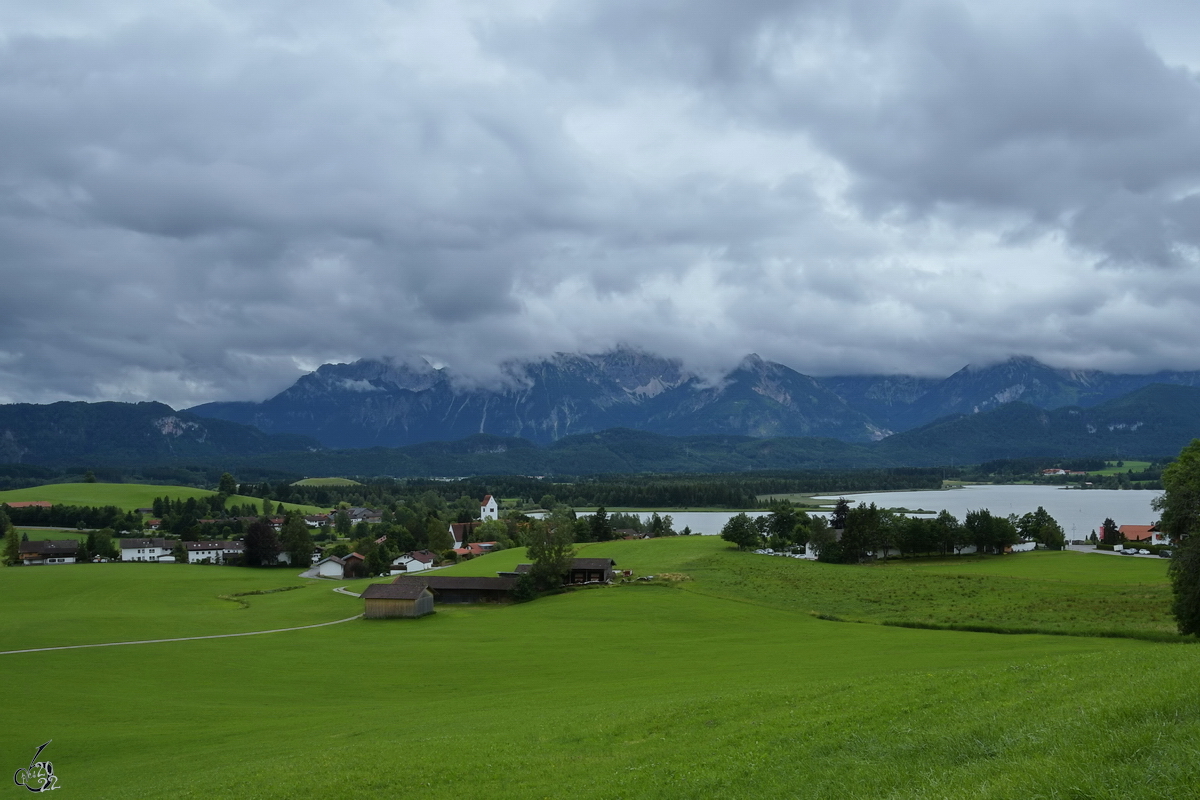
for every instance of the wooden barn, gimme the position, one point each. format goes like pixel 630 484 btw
pixel 407 598
pixel 448 589
pixel 590 570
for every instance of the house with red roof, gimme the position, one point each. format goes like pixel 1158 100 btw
pixel 472 549
pixel 1146 534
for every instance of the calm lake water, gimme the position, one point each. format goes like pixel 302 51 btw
pixel 1078 511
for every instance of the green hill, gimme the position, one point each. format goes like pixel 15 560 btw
pixel 126 496
pixel 70 434
pixel 723 685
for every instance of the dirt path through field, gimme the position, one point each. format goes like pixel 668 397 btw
pixel 182 639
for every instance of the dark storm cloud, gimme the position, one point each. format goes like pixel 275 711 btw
pixel 200 202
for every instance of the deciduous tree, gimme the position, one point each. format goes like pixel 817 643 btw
pixel 1180 507
pixel 741 531
pixel 342 523
pixel 262 545
pixel 296 540
pixel 549 544
pixel 12 544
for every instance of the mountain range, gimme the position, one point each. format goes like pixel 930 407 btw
pixel 379 403
pixel 625 411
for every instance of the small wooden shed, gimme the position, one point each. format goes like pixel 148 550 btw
pixel 399 599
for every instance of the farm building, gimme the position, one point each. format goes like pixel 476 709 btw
pixel 448 589
pixel 400 599
pixel 50 551
pixel 589 570
pixel 354 566
pixel 583 570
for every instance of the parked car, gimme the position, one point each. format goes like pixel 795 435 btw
pixel 1164 554
pixel 1143 552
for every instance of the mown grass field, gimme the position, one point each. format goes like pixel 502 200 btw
pixel 1113 469
pixel 126 496
pixel 721 686
pixel 326 482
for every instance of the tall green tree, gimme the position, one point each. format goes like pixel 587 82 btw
pixel 1180 507
pixel 1180 502
pixel 1042 528
pixel 262 544
pixel 296 540
pixel 549 543
pixel 227 485
pixel 12 543
pixel 1110 533
pixel 837 520
pixel 741 531
pixel 342 523
pixel 601 529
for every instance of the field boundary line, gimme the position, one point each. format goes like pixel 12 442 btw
pixel 180 639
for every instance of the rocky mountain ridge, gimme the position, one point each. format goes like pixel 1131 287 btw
pixel 382 403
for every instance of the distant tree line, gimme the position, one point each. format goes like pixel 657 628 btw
pixel 64 516
pixel 856 534
pixel 663 491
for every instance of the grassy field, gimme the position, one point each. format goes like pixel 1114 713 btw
pixel 326 482
pixel 1113 469
pixel 723 686
pixel 126 496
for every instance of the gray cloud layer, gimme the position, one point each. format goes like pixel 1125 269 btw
pixel 198 202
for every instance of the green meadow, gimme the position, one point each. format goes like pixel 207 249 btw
pixel 1111 467
pixel 126 496
pixel 721 685
pixel 326 482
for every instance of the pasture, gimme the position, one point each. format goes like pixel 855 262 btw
pixel 722 686
pixel 1111 467
pixel 326 482
pixel 126 496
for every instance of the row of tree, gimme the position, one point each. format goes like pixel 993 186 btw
pixel 853 535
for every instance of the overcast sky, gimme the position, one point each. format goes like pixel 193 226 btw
pixel 201 200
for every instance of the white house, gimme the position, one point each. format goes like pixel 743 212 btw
pixel 416 561
pixel 145 549
pixel 328 567
pixel 489 509
pixel 213 552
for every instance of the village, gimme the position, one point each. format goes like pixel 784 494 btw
pixel 412 593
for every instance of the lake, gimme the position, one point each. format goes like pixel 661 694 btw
pixel 1079 512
